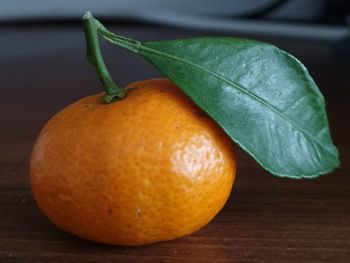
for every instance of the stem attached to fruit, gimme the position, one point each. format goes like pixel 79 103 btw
pixel 94 56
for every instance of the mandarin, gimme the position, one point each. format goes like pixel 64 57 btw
pixel 148 168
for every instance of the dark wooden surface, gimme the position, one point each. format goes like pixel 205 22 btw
pixel 266 219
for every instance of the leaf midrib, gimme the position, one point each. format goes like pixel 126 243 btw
pixel 238 87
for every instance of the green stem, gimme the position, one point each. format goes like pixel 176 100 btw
pixel 94 56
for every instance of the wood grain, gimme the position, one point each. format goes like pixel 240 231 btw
pixel 266 219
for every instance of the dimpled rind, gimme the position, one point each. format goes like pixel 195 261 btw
pixel 149 168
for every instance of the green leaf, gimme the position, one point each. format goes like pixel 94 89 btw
pixel 262 97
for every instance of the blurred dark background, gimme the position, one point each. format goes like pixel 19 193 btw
pixel 315 11
pixel 46 38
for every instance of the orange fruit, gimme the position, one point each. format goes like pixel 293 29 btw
pixel 148 168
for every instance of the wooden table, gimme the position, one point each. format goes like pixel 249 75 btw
pixel 267 219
